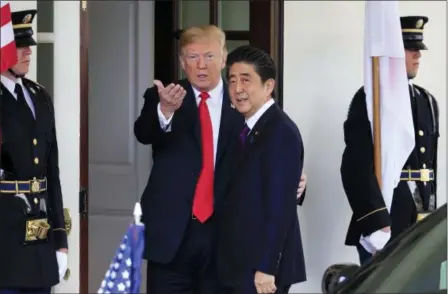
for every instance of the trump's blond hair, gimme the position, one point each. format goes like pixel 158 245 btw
pixel 199 33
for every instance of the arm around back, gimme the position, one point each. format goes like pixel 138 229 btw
pixel 301 198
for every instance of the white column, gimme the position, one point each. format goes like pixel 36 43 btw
pixel 24 5
pixel 67 108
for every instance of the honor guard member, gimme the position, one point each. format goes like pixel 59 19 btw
pixel 372 226
pixel 33 246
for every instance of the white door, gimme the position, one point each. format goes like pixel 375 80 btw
pixel 120 69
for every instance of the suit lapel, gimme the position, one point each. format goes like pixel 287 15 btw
pixel 7 97
pixel 12 105
pixel 32 94
pixel 259 132
pixel 39 107
pixel 228 120
pixel 189 111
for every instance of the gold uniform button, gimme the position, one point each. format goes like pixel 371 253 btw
pixel 424 165
pixel 421 133
pixel 34 142
pixel 36 160
pixel 36 200
pixel 422 150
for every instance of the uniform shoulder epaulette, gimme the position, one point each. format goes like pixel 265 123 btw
pixel 357 101
pixel 433 102
pixel 38 88
pixel 429 95
pixel 423 90
pixel 34 84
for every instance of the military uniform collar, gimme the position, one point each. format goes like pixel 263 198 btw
pixel 11 84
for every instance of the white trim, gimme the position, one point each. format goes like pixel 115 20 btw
pixel 67 110
pixel 7 34
pixel 45 38
pixel 145 73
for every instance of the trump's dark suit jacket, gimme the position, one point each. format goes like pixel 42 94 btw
pixel 168 197
pixel 259 228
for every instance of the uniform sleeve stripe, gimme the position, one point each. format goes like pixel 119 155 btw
pixel 372 212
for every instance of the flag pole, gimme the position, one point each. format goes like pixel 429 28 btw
pixel 376 119
pixel 387 94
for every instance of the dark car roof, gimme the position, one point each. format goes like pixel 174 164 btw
pixel 406 239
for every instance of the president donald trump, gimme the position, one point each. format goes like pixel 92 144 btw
pixel 260 247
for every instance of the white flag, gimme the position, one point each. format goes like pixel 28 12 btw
pixel 383 38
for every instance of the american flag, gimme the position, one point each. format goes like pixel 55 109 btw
pixel 8 53
pixel 124 273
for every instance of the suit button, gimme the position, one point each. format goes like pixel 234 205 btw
pixel 421 133
pixel 36 160
pixel 424 165
pixel 422 150
pixel 34 142
pixel 36 200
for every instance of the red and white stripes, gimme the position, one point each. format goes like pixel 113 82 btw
pixel 8 53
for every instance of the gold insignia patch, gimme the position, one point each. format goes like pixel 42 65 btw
pixel 27 18
pixel 419 24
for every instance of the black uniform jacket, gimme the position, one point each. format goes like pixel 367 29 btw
pixel 29 150
pixel 358 176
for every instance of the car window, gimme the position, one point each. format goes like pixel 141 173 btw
pixel 423 268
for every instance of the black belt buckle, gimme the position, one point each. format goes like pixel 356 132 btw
pixel 36 229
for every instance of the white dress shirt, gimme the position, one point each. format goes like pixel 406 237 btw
pixel 250 122
pixel 214 104
pixel 11 85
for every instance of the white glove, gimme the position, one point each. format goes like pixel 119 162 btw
pixel 375 241
pixel 62 258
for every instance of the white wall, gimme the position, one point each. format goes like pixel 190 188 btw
pixel 67 107
pixel 323 70
pixel 24 5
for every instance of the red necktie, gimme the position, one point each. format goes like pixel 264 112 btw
pixel 203 198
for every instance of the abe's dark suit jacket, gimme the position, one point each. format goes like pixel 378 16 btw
pixel 259 228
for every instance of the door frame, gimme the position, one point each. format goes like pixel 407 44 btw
pixel 274 12
pixel 166 65
pixel 84 151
